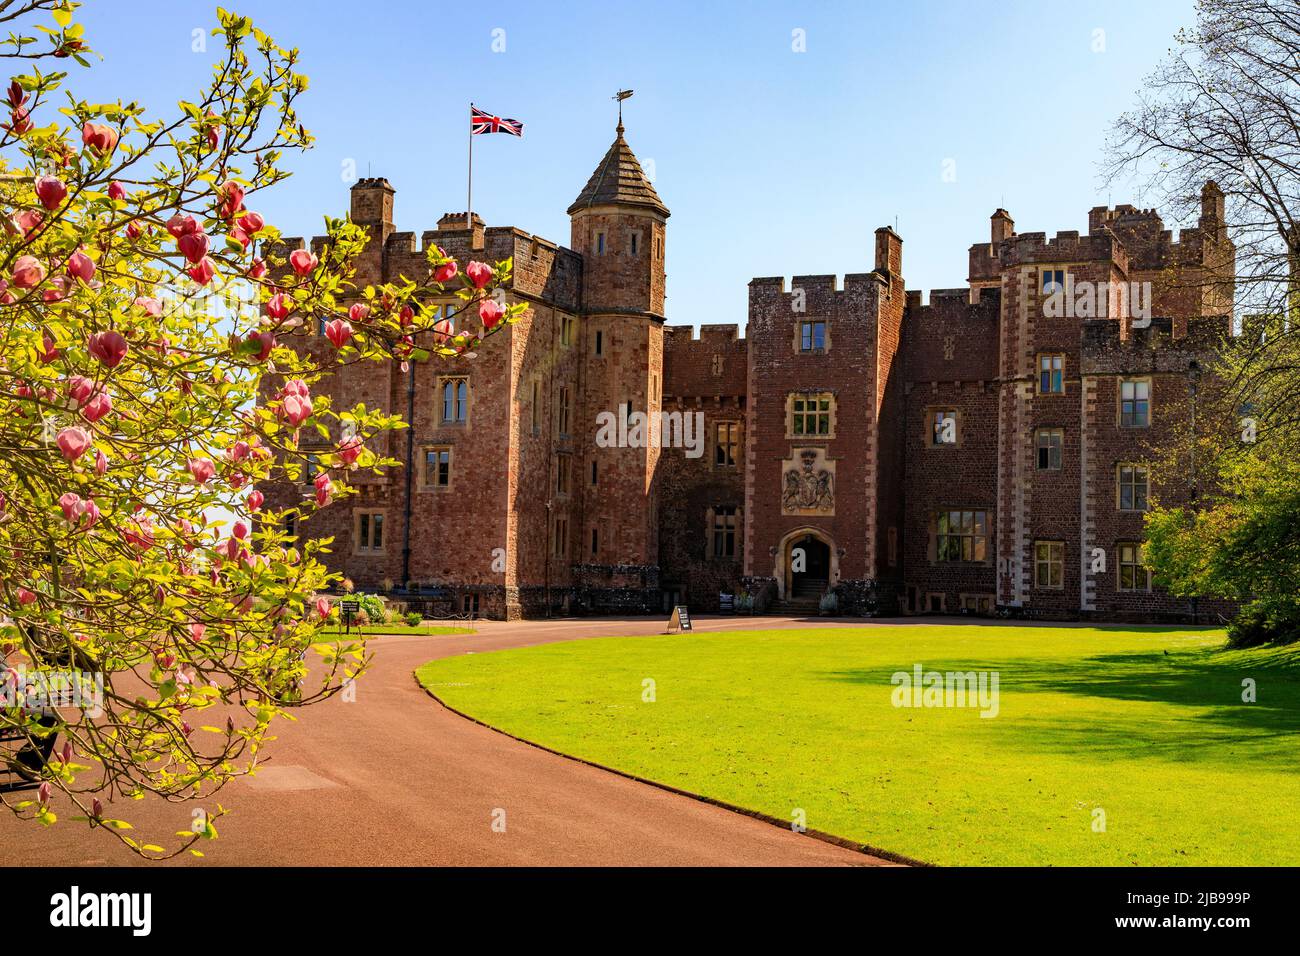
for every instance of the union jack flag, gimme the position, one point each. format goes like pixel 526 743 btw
pixel 481 122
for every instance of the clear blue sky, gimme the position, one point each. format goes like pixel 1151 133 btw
pixel 773 162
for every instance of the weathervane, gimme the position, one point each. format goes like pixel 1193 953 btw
pixel 621 95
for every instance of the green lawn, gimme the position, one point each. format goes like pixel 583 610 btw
pixel 1146 724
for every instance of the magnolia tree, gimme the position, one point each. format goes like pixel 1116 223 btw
pixel 149 381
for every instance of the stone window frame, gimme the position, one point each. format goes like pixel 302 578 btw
pixel 1137 565
pixel 1038 372
pixel 535 406
pixel 598 343
pixel 600 243
pixel 943 603
pixel 930 432
pixel 1119 399
pixel 797 341
pixel 563 474
pixel 711 517
pixel 634 243
pixel 1060 450
pixel 1067 278
pixel 791 398
pixel 425 484
pixel 568 325
pixel 1119 486
pixel 1056 558
pixel 367 551
pixel 441 402
pixel 959 534
pixel 595 540
pixel 737 441
pixel 560 536
pixel 563 411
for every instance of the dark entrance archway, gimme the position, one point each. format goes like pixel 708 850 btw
pixel 809 567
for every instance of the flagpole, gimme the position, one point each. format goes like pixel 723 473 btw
pixel 469 186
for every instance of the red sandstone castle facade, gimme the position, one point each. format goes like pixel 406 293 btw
pixel 977 453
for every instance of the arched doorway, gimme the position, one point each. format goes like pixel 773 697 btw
pixel 807 564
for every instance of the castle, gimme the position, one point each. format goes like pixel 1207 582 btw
pixel 992 450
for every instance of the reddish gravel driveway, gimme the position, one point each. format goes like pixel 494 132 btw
pixel 395 778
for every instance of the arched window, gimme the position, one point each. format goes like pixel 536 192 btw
pixel 455 401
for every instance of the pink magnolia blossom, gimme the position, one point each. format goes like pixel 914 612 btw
pixel 323 607
pixel 240 530
pixel 203 271
pixel 73 442
pixel 193 246
pixel 295 409
pixel 252 223
pixel 255 500
pixel 324 488
pixel 359 312
pixel 181 224
pixel 97 407
pixel 197 630
pixel 29 220
pixel 81 266
pixel 350 451
pixel 490 311
pixel 256 269
pixel 338 332
pixel 115 191
pixel 265 341
pixel 202 469
pixel 101 462
pixel 28 272
pixel 51 191
pixel 445 272
pixel 78 512
pixel 80 389
pixel 25 597
pixel 279 306
pixel 479 274
pixel 47 353
pixel 150 306
pixel 57 290
pixel 99 138
pixel 303 262
pixel 109 348
pixel 232 198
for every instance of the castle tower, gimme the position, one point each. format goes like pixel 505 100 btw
pixel 618 223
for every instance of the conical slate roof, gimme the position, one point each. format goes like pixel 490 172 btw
pixel 619 180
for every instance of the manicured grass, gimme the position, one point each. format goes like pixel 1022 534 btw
pixel 1147 725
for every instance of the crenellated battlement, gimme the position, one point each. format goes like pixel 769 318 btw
pixel 1066 246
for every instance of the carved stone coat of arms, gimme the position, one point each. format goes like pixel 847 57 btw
pixel 808 483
